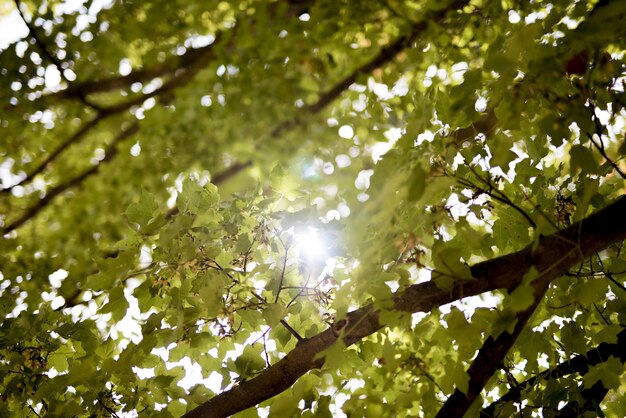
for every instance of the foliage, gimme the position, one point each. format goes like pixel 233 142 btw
pixel 313 208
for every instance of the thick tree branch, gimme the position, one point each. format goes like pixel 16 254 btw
pixel 578 364
pixel 552 257
pixel 489 359
pixel 592 397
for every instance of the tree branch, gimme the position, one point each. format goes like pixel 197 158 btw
pixel 190 64
pixel 383 57
pixel 44 49
pixel 493 192
pixel 110 153
pixel 179 80
pixel 489 359
pixel 294 9
pixel 77 136
pixel 591 403
pixel 200 62
pixel 578 364
pixel 600 146
pixel 568 247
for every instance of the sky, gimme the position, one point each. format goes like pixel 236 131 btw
pixel 13 28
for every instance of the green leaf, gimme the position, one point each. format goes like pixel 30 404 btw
pixel 505 322
pixel 588 291
pixel 142 211
pixel 522 297
pixel 273 313
pixel 117 304
pixel 250 361
pixel 59 358
pixel 176 408
pixel 197 199
pixel 284 406
pixel 110 270
pixel 582 158
pixel 608 334
pixel 447 260
pixel 511 228
pixel 454 377
pixel 418 183
pixel 608 372
pixel 323 407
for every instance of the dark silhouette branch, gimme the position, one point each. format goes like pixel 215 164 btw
pixel 552 257
pixel 591 397
pixel 578 364
pixel 489 359
pixel 600 146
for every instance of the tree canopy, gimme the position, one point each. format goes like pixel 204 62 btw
pixel 313 208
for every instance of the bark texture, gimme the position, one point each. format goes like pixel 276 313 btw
pixel 552 256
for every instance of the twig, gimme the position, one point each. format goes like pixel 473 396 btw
pixel 600 146
pixel 500 197
pixel 267 356
pixel 292 331
pixel 33 410
pixel 601 315
pixel 282 273
pixel 615 282
pixel 301 290
pixel 109 410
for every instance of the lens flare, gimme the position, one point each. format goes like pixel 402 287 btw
pixel 311 245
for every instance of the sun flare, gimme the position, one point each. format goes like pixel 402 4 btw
pixel 311 245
